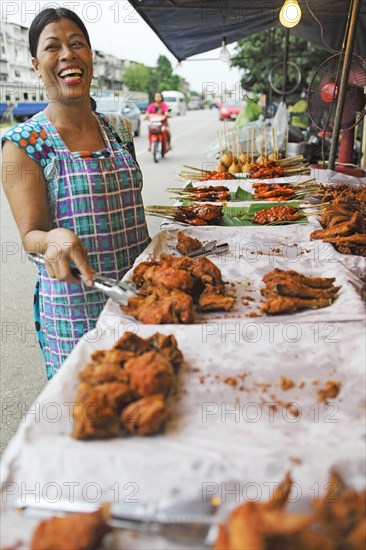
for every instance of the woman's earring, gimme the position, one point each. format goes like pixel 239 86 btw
pixel 40 78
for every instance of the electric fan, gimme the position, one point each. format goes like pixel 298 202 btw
pixel 323 96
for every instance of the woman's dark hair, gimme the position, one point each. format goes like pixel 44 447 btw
pixel 51 15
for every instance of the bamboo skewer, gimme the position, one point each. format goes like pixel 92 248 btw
pixel 193 168
pixel 265 143
pixel 273 141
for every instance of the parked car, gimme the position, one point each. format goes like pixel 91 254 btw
pixel 126 109
pixel 175 101
pixel 142 105
pixel 195 103
pixel 230 110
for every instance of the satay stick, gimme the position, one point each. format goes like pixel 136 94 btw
pixel 239 148
pixel 220 145
pixel 265 143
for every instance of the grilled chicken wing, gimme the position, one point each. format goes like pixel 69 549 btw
pixel 283 304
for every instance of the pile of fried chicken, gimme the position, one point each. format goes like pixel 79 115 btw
pixel 336 522
pixel 289 291
pixel 277 214
pixel 344 220
pixel 74 532
pixel 124 389
pixel 170 287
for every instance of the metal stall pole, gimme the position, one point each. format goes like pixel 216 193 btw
pixel 348 49
pixel 285 62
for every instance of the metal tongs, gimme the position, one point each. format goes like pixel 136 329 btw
pixel 119 292
pixel 189 523
pixel 211 247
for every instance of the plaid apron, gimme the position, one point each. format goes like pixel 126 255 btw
pixel 99 198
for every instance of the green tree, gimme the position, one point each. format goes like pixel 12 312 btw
pixel 140 78
pixel 257 54
pixel 136 77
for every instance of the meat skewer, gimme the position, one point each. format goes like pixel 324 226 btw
pixel 194 214
pixel 277 214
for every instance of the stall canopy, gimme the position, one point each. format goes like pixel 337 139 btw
pixel 190 27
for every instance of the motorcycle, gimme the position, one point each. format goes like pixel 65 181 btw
pixel 158 138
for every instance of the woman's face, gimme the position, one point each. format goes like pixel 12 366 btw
pixel 65 62
pixel 158 98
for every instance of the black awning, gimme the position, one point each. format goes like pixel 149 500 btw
pixel 190 27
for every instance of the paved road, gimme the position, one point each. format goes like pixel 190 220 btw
pixel 22 369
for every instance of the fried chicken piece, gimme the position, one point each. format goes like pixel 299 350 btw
pixel 146 416
pixel 245 528
pixel 112 356
pixel 211 299
pixel 357 537
pixel 307 539
pixel 355 224
pixel 151 373
pixel 341 509
pixel 357 238
pixel 101 373
pixel 96 410
pixel 74 532
pixel 283 304
pixel 207 271
pixel 139 272
pixel 187 244
pixel 129 341
pixel 161 306
pixel 292 288
pixel 222 541
pixel 313 282
pixel 352 249
pixel 169 277
pixel 178 262
pixel 167 346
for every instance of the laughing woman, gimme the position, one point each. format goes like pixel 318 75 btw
pixel 76 196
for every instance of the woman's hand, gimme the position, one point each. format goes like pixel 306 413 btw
pixel 62 246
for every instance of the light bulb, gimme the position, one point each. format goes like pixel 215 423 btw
pixel 290 13
pixel 224 53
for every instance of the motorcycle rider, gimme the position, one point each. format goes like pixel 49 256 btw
pixel 158 107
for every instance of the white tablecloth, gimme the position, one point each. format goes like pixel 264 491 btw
pixel 219 433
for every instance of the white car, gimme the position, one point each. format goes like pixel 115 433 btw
pixel 127 110
pixel 175 101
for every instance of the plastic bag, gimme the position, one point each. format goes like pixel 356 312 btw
pixel 280 125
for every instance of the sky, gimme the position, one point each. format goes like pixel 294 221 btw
pixel 116 28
